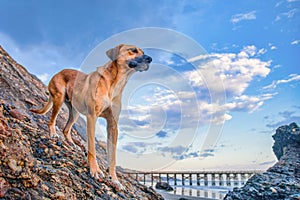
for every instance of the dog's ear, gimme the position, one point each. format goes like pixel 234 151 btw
pixel 114 52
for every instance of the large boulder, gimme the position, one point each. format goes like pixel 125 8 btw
pixel 282 181
pixel 163 186
pixel 285 136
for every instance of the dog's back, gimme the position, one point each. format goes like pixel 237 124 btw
pixel 61 85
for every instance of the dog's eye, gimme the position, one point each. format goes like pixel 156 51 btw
pixel 134 50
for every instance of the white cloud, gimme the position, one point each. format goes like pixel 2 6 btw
pixel 217 113
pixel 262 51
pixel 274 84
pixel 165 58
pixel 272 47
pixel 288 14
pixel 277 66
pixel 235 70
pixel 295 42
pixel 279 3
pixel 250 50
pixel 243 16
pixel 250 103
pixel 43 77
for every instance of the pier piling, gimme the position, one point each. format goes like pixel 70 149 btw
pixel 207 178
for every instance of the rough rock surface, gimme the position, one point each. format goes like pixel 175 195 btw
pixel 163 186
pixel 35 166
pixel 282 181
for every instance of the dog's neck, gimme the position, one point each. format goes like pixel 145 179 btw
pixel 116 76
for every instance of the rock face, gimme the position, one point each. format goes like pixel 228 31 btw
pixel 284 137
pixel 35 166
pixel 163 186
pixel 282 181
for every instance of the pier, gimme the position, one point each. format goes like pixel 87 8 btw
pixel 198 178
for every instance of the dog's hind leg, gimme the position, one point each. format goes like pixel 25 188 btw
pixel 73 116
pixel 58 99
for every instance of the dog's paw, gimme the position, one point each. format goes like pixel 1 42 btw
pixel 54 133
pixel 115 183
pixel 54 136
pixel 72 144
pixel 118 186
pixel 96 173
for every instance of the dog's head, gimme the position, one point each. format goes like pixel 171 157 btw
pixel 130 56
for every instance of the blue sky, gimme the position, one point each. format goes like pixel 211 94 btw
pixel 170 113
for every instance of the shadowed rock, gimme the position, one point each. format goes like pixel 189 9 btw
pixel 163 186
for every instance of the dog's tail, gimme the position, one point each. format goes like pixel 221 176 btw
pixel 45 109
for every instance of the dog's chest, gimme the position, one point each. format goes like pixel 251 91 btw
pixel 118 88
pixel 107 102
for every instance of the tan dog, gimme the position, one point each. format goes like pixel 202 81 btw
pixel 97 94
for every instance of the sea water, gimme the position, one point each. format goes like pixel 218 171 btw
pixel 207 189
pixel 201 191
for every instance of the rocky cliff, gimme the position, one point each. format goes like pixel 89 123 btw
pixel 282 181
pixel 35 166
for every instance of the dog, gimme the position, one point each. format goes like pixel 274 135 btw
pixel 94 95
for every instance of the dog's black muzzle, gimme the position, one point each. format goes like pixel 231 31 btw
pixel 140 63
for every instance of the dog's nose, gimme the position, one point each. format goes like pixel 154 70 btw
pixel 148 59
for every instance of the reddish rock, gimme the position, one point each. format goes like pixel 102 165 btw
pixel 12 163
pixel 4 129
pixel 17 114
pixel 4 187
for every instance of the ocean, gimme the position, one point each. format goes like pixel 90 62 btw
pixel 206 190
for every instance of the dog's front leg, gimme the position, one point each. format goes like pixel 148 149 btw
pixel 112 137
pixel 94 168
